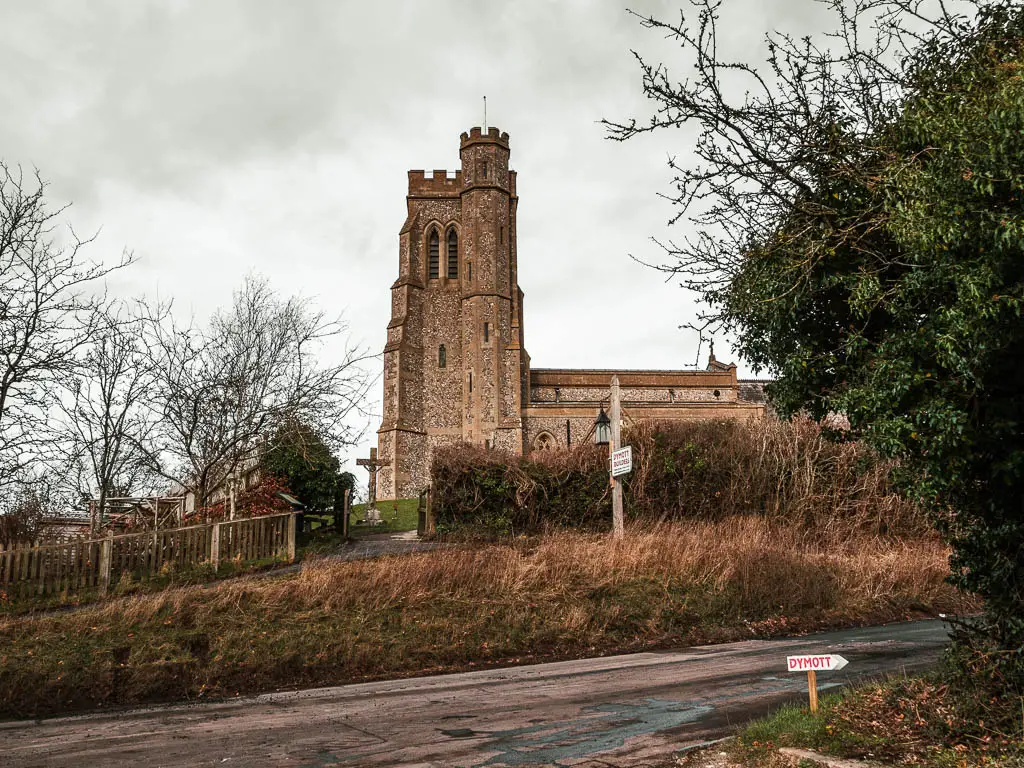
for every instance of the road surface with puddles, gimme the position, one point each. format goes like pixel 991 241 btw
pixel 614 711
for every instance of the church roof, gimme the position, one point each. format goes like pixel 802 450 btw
pixel 752 391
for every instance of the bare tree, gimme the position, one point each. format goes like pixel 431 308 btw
pixel 51 300
pixel 107 414
pixel 22 510
pixel 222 392
pixel 781 142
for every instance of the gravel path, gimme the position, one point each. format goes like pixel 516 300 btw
pixel 365 547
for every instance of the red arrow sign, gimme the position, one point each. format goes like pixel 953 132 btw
pixel 822 662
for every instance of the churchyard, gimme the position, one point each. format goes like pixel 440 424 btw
pixel 396 516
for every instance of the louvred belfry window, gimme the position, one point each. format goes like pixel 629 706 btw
pixel 435 255
pixel 453 255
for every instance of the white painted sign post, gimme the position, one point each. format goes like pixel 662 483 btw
pixel 622 461
pixel 811 664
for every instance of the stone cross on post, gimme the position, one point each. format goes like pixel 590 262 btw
pixel 372 466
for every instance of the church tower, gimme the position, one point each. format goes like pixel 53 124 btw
pixel 454 365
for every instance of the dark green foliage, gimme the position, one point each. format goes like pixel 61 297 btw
pixel 910 319
pixel 987 682
pixel 498 493
pixel 863 220
pixel 345 481
pixel 706 469
pixel 301 459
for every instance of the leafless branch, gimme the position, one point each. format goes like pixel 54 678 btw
pixel 775 137
pixel 223 391
pixel 52 300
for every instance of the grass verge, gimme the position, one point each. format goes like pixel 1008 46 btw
pixel 901 721
pixel 168 577
pixel 323 540
pixel 563 596
pixel 399 515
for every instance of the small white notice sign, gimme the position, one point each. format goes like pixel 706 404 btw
pixel 622 461
pixel 823 662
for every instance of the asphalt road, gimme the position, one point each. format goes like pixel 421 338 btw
pixel 614 711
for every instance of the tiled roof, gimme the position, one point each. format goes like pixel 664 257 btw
pixel 752 391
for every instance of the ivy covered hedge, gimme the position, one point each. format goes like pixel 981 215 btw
pixel 708 469
pixel 499 492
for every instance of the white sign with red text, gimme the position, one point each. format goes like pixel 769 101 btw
pixel 821 662
pixel 622 461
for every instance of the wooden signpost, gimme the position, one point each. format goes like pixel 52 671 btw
pixel 812 664
pixel 618 523
pixel 620 458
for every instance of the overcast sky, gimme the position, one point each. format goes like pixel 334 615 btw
pixel 216 138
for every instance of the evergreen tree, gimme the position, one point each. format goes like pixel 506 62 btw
pixel 863 239
pixel 304 462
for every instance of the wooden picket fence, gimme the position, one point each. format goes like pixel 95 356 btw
pixel 77 565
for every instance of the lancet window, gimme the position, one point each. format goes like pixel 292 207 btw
pixel 434 254
pixel 453 255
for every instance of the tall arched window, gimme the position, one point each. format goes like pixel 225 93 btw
pixel 442 357
pixel 435 255
pixel 453 255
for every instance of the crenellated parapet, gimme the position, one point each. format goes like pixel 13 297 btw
pixel 477 136
pixel 441 183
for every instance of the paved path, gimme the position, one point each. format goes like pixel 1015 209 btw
pixel 364 547
pixel 371 545
pixel 615 711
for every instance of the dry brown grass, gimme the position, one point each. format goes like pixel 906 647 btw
pixel 564 595
pixel 761 562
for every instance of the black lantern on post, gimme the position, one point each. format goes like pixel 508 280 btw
pixel 602 429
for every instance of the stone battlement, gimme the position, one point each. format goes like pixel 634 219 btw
pixel 569 377
pixel 477 136
pixel 441 183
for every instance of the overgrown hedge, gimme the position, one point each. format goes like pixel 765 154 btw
pixel 708 469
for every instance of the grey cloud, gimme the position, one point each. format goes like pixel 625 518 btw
pixel 224 136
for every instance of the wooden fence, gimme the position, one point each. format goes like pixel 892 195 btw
pixel 77 565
